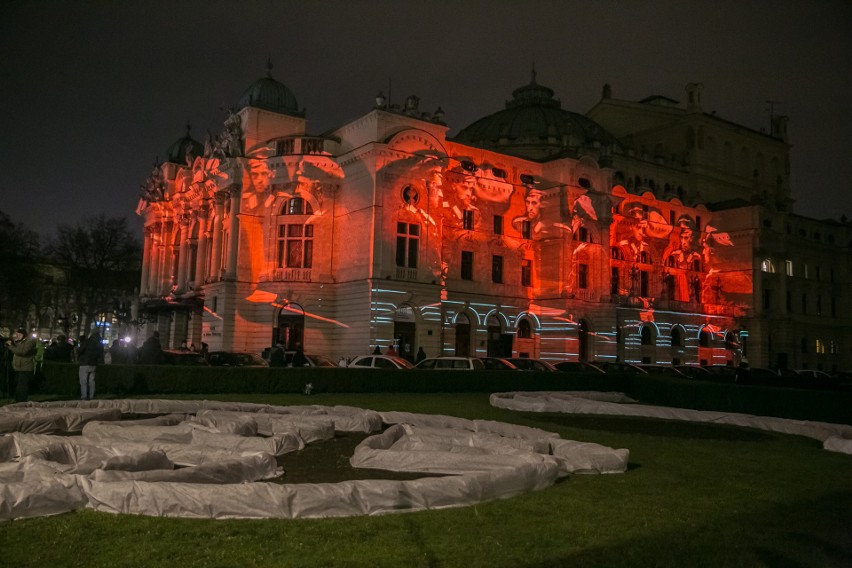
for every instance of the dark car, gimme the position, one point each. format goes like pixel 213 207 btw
pixel 233 359
pixel 497 364
pixel 666 370
pixel 526 364
pixel 187 358
pixel 578 367
pixel 623 368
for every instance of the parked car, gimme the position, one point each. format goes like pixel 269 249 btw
pixel 451 363
pixel 695 372
pixel 527 364
pixel 380 362
pixel 497 364
pixel 187 358
pixel 577 367
pixel 236 359
pixel 623 368
pixel 721 373
pixel 666 370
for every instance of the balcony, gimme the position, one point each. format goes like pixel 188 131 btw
pixel 403 273
pixel 291 275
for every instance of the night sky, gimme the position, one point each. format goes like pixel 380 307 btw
pixel 93 92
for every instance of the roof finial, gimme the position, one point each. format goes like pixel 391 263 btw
pixel 532 79
pixel 188 127
pixel 269 67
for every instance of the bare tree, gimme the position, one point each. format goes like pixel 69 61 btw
pixel 100 257
pixel 19 277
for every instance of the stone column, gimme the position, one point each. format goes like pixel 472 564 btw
pixel 234 234
pixel 184 221
pixel 216 258
pixel 146 261
pixel 201 250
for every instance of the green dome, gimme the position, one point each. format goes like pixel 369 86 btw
pixel 534 126
pixel 184 147
pixel 268 94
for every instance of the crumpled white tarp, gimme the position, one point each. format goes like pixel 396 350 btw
pixel 835 437
pixel 206 459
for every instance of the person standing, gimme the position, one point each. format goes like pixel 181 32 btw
pixel 420 354
pixel 89 354
pixel 151 351
pixel 23 349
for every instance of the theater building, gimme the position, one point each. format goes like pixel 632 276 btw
pixel 637 232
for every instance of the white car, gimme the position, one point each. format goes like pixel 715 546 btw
pixel 451 364
pixel 380 362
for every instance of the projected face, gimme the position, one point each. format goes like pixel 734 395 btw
pixel 532 203
pixel 464 191
pixel 260 174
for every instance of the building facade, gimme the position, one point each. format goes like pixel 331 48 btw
pixel 635 233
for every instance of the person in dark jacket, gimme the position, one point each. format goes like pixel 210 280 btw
pixel 89 354
pixel 151 351
pixel 22 346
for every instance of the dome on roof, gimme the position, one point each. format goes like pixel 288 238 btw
pixel 184 149
pixel 534 126
pixel 268 94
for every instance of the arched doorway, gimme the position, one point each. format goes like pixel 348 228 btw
pixel 499 343
pixel 290 327
pixel 405 332
pixel 463 335
pixel 583 336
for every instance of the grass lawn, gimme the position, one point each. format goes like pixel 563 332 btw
pixel 694 495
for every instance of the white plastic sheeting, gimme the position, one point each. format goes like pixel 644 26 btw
pixel 207 459
pixel 835 437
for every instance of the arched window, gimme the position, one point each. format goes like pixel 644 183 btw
pixel 647 336
pixel 677 337
pixel 766 265
pixel 704 338
pixel 524 329
pixel 297 206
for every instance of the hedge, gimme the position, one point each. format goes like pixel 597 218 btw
pixel 60 379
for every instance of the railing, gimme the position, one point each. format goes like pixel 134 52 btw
pixel 292 274
pixel 406 273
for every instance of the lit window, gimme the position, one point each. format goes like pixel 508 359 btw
pixel 766 265
pixel 297 206
pixel 407 244
pixel 497 269
pixel 820 346
pixel 789 266
pixel 526 272
pixel 295 246
pixel 806 270
pixel 467 219
pixel 467 265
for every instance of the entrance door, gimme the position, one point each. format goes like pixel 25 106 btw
pixel 584 340
pixel 404 333
pixel 290 331
pixel 462 336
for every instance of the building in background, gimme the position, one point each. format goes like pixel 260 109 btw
pixel 639 232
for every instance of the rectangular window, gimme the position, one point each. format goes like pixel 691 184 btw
pixel 407 244
pixel 804 303
pixel 526 229
pixel 817 273
pixel 582 276
pixel 497 269
pixel 644 284
pixel 467 219
pixel 614 281
pixel 767 299
pixel 498 224
pixel 295 246
pixel 789 264
pixel 467 265
pixel 805 271
pixel 526 272
pixel 819 305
